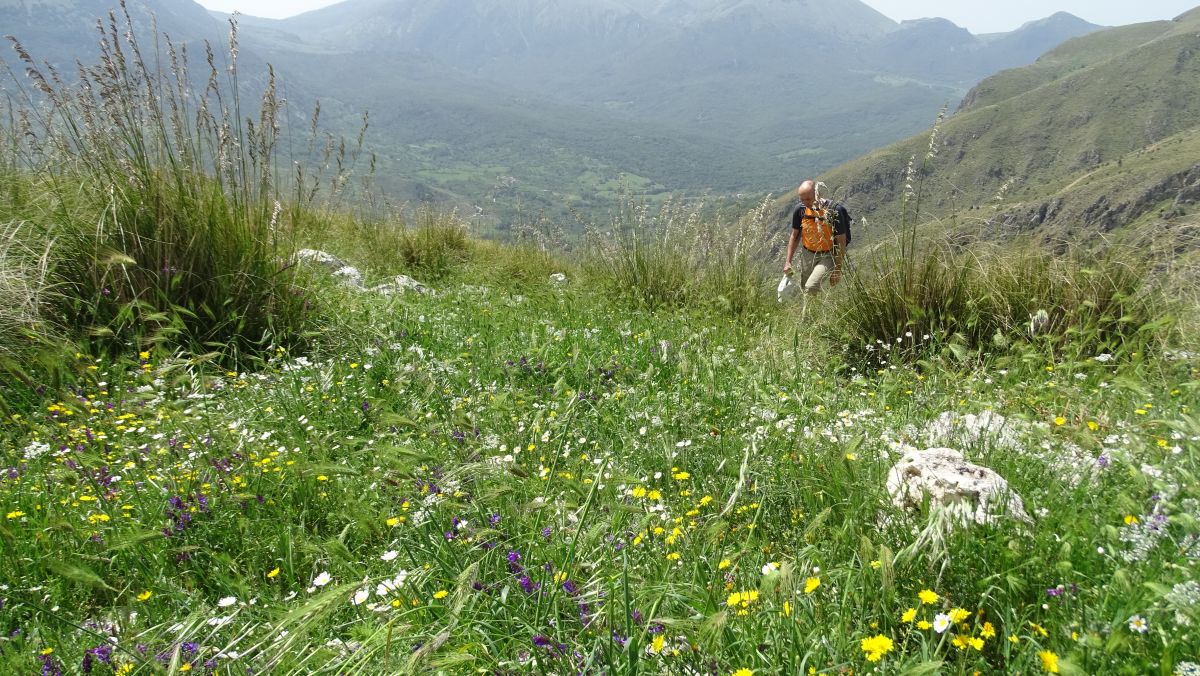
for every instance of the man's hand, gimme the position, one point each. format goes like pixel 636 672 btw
pixel 835 277
pixel 787 268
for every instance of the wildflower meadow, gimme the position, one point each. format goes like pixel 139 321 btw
pixel 618 457
pixel 484 481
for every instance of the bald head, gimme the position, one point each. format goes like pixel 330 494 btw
pixel 807 192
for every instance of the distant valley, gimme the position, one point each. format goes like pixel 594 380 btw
pixel 508 108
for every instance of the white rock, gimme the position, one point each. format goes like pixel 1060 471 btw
pixel 345 273
pixel 970 429
pixel 944 477
pixel 558 279
pixel 401 284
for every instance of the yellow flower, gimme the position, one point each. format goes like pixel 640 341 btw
pixel 742 599
pixel 673 556
pixel 1049 661
pixel 681 476
pixel 875 565
pixel 1093 426
pixel 1130 519
pixel 924 625
pixel 47 651
pixel 440 594
pixel 787 609
pixel 393 522
pixel 657 644
pixel 959 615
pixel 976 643
pixel 126 668
pixel 811 584
pixel 145 596
pixel 1039 629
pixel 654 495
pixel 725 563
pixel 1060 421
pixel 186 666
pixel 743 672
pixel 15 515
pixel 876 647
pixel 273 574
pixel 928 597
pixel 961 641
pixel 639 492
pixel 988 630
pixel 909 615
pixel 322 477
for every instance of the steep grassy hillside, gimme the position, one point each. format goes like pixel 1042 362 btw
pixel 1096 135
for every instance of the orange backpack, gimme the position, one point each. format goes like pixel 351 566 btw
pixel 816 232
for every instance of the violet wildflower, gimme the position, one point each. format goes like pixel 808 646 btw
pixel 50 666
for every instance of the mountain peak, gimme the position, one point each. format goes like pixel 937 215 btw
pixel 1059 19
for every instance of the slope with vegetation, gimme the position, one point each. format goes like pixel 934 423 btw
pixel 213 460
pixel 1098 135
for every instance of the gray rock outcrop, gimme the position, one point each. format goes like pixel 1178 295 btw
pixel 969 493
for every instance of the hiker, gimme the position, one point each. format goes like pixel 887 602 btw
pixel 823 229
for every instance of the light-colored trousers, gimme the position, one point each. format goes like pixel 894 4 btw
pixel 813 268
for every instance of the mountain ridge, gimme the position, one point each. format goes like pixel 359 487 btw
pixel 1100 134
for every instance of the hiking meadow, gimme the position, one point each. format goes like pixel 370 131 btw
pixel 615 455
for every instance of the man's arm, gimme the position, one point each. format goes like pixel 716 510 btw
pixel 793 243
pixel 839 252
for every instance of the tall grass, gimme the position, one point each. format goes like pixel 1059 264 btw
pixel 682 256
pixel 930 286
pixel 158 199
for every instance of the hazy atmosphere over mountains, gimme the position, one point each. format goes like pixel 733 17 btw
pixel 493 104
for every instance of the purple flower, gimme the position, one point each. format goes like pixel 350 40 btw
pixel 541 641
pixel 514 556
pixel 49 666
pixel 529 585
pixel 1103 462
pixel 1055 591
pixel 494 519
pixel 546 532
pixel 366 406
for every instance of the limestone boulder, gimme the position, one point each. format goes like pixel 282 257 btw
pixel 968 492
pixel 401 284
pixel 343 272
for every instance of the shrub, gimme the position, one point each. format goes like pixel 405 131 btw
pixel 158 202
pixel 437 244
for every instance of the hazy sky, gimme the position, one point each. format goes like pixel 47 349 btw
pixel 980 16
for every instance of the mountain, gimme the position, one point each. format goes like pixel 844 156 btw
pixel 938 50
pixel 507 106
pixel 1099 134
pixel 65 30
pixel 757 91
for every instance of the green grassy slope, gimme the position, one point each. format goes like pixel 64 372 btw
pixel 1056 127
